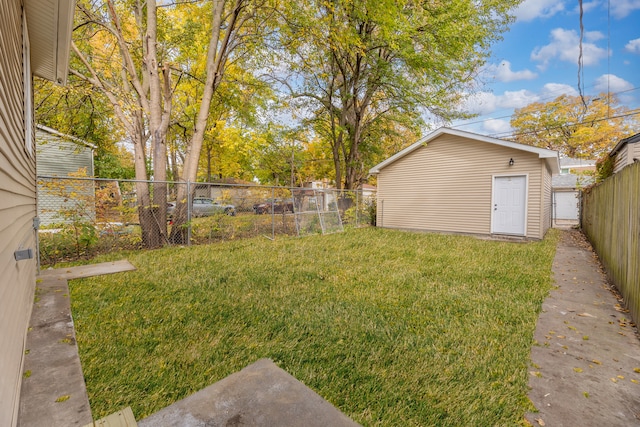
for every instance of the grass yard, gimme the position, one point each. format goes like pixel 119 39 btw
pixel 393 328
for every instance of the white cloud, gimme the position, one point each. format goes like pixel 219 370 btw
pixel 588 6
pixel 493 126
pixel 483 103
pixel 551 91
pixel 503 73
pixel 593 36
pixel 565 46
pixel 532 9
pixel 612 83
pixel 633 46
pixel 622 8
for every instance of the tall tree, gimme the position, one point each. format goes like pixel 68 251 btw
pixel 120 50
pixel 574 127
pixel 359 65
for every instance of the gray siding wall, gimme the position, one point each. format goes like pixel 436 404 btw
pixel 447 185
pixel 620 159
pixel 17 210
pixel 625 156
pixel 60 157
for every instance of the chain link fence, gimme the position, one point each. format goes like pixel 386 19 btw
pixel 83 217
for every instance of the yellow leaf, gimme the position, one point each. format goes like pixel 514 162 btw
pixel 578 370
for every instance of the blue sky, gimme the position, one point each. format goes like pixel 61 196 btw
pixel 538 59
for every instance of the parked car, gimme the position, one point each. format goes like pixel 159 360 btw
pixel 202 206
pixel 274 206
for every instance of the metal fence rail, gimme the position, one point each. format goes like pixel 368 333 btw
pixel 82 217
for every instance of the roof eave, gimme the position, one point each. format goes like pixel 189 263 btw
pixel 629 140
pixel 50 24
pixel 550 156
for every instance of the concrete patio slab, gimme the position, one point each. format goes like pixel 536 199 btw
pixel 261 394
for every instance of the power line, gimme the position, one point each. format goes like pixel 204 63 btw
pixel 511 115
pixel 629 114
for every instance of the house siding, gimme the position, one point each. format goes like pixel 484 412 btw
pixel 625 156
pixel 620 159
pixel 17 210
pixel 547 199
pixel 59 157
pixel 447 186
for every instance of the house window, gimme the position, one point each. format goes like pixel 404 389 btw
pixel 28 89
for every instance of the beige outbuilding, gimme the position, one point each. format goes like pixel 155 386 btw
pixel 460 182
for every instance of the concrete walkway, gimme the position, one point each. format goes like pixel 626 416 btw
pixel 53 390
pixel 585 367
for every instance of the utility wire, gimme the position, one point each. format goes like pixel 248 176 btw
pixel 511 115
pixel 511 135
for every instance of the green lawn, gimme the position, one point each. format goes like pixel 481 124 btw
pixel 393 328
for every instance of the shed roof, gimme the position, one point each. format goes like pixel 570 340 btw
pixel 630 140
pixel 65 136
pixel 50 23
pixel 549 156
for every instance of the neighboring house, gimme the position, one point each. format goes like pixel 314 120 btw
pixel 460 182
pixel 626 152
pixel 35 37
pixel 570 165
pixel 574 175
pixel 60 155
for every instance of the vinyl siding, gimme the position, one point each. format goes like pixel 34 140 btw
pixel 625 156
pixel 59 157
pixel 447 186
pixel 547 200
pixel 621 159
pixel 17 209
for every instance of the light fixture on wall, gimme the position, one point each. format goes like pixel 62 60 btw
pixel 511 162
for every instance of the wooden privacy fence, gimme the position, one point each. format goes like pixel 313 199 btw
pixel 611 221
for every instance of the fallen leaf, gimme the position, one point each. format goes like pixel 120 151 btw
pixel 597 362
pixel 585 315
pixel 63 398
pixel 636 370
pixel 578 370
pixel 615 380
pixel 540 422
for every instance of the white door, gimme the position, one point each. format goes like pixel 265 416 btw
pixel 509 204
pixel 566 204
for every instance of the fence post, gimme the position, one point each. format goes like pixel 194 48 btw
pixel 273 214
pixel 357 208
pixel 189 202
